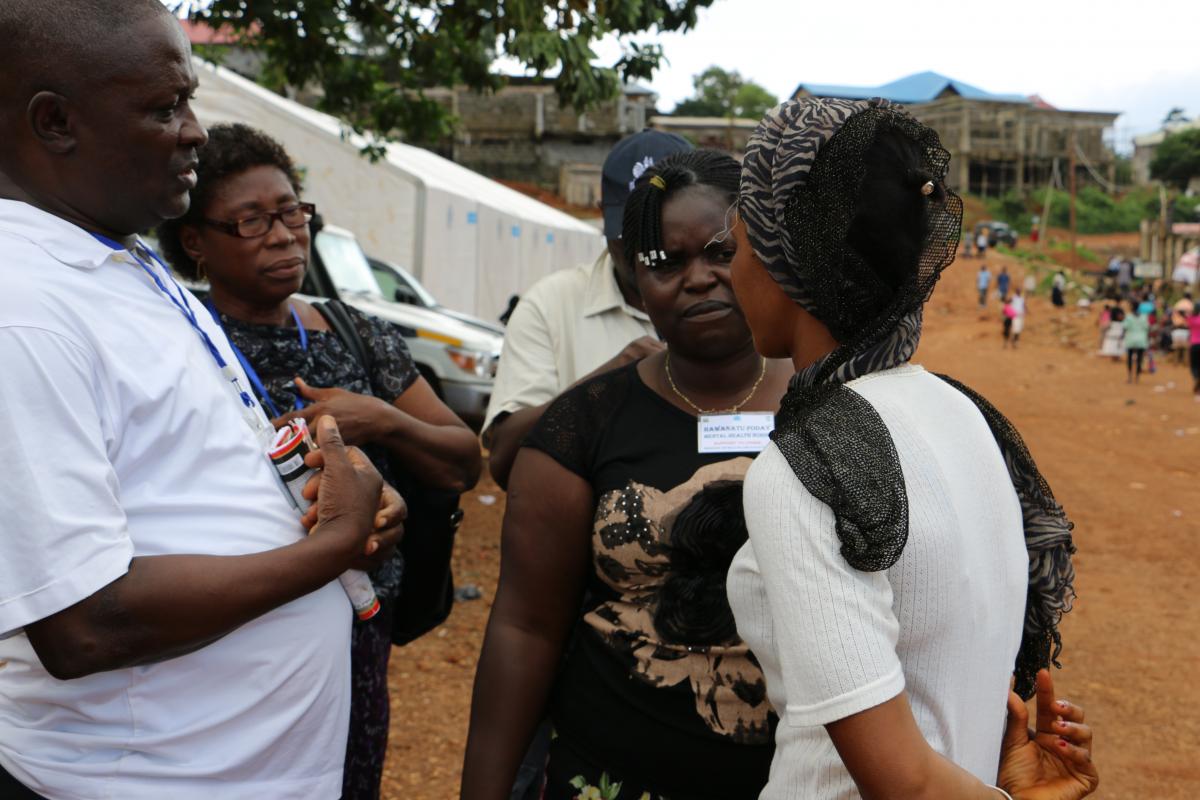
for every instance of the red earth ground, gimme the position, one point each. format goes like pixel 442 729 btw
pixel 1123 459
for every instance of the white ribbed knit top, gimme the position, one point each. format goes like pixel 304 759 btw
pixel 943 624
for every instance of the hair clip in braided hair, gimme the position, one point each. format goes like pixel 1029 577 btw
pixel 927 188
pixel 642 233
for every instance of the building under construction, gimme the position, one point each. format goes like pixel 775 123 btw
pixel 997 141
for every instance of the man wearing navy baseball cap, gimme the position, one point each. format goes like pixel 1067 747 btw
pixel 575 323
pixel 626 162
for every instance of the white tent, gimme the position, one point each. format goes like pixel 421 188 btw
pixel 471 241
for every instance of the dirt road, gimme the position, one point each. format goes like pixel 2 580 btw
pixel 1124 461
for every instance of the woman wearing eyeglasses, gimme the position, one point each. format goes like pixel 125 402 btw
pixel 247 233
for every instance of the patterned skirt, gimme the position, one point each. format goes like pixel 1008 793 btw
pixel 366 747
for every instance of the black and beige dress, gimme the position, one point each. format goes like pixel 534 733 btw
pixel 657 697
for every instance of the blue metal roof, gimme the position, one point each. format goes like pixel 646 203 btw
pixel 922 87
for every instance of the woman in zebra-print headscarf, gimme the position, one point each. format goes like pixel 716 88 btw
pixel 906 558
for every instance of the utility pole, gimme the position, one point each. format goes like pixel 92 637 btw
pixel 1045 220
pixel 1072 177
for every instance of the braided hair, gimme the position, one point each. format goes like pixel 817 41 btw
pixel 642 233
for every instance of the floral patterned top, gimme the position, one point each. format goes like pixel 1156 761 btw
pixel 656 685
pixel 278 357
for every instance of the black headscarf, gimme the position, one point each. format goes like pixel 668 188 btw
pixel 801 182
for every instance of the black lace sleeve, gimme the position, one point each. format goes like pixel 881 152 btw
pixel 393 369
pixel 573 426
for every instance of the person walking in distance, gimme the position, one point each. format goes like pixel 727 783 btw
pixel 1058 289
pixel 983 281
pixel 1180 313
pixel 1017 304
pixel 1003 281
pixel 1194 349
pixel 1008 314
pixel 1137 339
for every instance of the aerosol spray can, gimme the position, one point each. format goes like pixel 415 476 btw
pixel 291 444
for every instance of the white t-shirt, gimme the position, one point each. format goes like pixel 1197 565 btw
pixel 944 623
pixel 566 325
pixel 122 439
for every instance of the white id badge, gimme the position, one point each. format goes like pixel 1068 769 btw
pixel 746 432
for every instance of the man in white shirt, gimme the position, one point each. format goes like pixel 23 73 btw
pixel 167 628
pixel 575 323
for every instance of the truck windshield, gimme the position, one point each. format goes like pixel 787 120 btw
pixel 427 299
pixel 346 263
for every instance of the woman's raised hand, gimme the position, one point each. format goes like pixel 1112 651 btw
pixel 357 415
pixel 1053 762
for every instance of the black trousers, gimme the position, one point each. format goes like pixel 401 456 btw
pixel 12 789
pixel 1134 354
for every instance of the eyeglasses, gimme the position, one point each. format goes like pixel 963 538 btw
pixel 296 216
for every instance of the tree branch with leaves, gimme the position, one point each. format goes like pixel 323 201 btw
pixel 373 60
pixel 1177 160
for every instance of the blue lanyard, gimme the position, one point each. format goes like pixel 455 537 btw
pixel 179 300
pixel 251 373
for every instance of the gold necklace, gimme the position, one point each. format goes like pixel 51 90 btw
pixel 698 409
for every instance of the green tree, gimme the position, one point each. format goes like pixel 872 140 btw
pixel 1177 159
pixel 1123 175
pixel 725 94
pixel 373 59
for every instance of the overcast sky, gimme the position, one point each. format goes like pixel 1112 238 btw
pixel 1139 57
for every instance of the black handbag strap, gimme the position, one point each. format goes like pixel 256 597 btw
pixel 427 591
pixel 335 313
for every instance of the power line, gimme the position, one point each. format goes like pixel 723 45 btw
pixel 1108 187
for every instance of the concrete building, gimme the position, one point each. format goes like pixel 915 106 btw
pixel 522 133
pixel 717 133
pixel 997 142
pixel 221 46
pixel 1145 145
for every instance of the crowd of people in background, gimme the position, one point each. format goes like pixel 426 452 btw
pixel 1013 308
pixel 1147 330
pixel 1144 325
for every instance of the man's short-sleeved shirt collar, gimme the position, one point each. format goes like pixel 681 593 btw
pixel 61 240
pixel 566 325
pixel 604 294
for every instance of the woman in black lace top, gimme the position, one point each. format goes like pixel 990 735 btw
pixel 247 232
pixel 617 537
